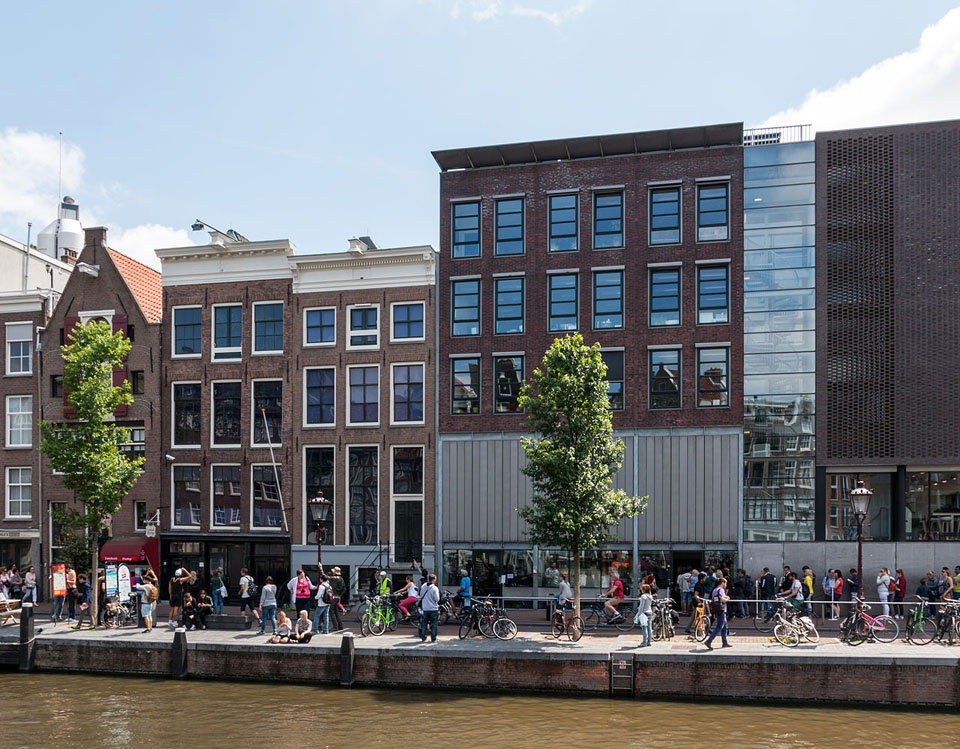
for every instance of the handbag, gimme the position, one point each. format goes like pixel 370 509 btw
pixel 223 591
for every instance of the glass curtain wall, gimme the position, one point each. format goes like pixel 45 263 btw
pixel 779 347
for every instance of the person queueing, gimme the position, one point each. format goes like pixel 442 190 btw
pixel 408 597
pixel 719 598
pixel 430 606
pixel 339 589
pixel 324 601
pixel 217 587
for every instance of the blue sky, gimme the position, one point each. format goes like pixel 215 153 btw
pixel 315 121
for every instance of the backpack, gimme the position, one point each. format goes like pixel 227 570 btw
pixel 251 587
pixel 327 595
pixel 716 605
pixel 151 593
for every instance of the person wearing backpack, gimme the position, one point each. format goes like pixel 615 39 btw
pixel 148 594
pixel 248 593
pixel 324 599
pixel 718 607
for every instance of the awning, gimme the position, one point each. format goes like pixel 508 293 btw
pixel 143 550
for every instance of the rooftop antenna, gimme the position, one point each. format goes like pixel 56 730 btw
pixel 60 174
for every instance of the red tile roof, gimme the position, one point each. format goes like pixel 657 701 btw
pixel 144 283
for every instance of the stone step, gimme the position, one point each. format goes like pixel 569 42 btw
pixel 229 621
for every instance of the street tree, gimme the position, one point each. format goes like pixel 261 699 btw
pixel 572 460
pixel 89 451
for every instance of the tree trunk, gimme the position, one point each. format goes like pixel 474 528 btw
pixel 576 581
pixel 94 581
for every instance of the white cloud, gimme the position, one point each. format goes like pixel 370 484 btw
pixel 920 85
pixel 489 10
pixel 141 241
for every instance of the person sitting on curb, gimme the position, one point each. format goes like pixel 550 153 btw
pixel 303 630
pixel 283 628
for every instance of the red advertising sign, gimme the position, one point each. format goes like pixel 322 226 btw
pixel 59 580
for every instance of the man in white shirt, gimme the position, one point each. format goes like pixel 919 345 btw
pixel 430 606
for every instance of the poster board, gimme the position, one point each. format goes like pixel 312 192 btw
pixel 59 579
pixel 111 580
pixel 123 582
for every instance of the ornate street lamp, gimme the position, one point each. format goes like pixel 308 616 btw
pixel 319 509
pixel 860 501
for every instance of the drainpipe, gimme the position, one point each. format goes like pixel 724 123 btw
pixel 39 352
pixel 26 256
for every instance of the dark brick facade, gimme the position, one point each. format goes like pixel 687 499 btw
pixel 633 173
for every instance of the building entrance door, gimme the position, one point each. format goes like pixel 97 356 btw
pixel 683 561
pixel 229 558
pixel 408 531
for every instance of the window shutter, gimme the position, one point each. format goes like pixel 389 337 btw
pixel 120 373
pixel 68 325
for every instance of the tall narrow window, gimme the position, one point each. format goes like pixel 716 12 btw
pixel 563 223
pixel 56 386
pixel 665 215
pixel 267 512
pixel 137 382
pixel 139 516
pixel 712 288
pixel 319 472
pixel 363 493
pixel 320 384
pixel 665 297
pixel 408 471
pixel 227 336
pixel 186 331
pixel 407 392
pixel 665 378
pixel 607 299
pixel 19 356
pixel 408 322
pixel 186 496
pixel 508 302
pixel 364 329
pixel 19 492
pixel 226 495
pixel 320 326
pixel 137 446
pixel 562 301
pixel 267 412
pixel 465 386
pixel 713 203
pixel 508 377
pixel 364 395
pixel 509 226
pixel 466 230
pixel 466 307
pixel 268 327
pixel 713 384
pixel 607 220
pixel 226 414
pixel 19 420
pixel 615 379
pixel 186 414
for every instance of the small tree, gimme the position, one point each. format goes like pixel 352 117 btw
pixel 573 460
pixel 72 540
pixel 89 452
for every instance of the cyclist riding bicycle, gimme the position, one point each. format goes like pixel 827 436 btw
pixel 794 594
pixel 614 596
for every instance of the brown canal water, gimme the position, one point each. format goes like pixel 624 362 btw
pixel 59 710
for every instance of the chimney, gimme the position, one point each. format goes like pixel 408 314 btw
pixel 95 237
pixel 357 245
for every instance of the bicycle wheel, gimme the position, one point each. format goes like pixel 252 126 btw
pixel 591 621
pixel 627 623
pixel 657 629
pixel 378 623
pixel 857 633
pixel 113 619
pixel 922 632
pixel 760 623
pixel 365 624
pixel 556 624
pixel 361 609
pixel 393 621
pixel 702 628
pixel 786 635
pixel 466 627
pixel 885 628
pixel 575 629
pixel 505 629
pixel 812 634
pixel 444 616
pixel 485 625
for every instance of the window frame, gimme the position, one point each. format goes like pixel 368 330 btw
pixel 349 402
pixel 523 372
pixel 479 399
pixel 253 413
pixel 576 220
pixel 453 229
pixel 454 308
pixel 576 302
pixel 496 225
pixel 7 515
pixel 423 399
pixel 523 304
pixel 651 272
pixel 600 271
pixel 214 349
pixel 213 524
pixel 726 306
pixel 393 305
pixel 362 331
pixel 623 382
pixel 650 379
pixel 7 340
pixel 320 344
pixel 346 519
pixel 423 463
pixel 651 190
pixel 173 337
pixel 137 528
pixel 133 382
pixel 306 521
pixel 279 475
pixel 254 351
pixel 319 424
pixel 213 414
pixel 707 184
pixel 597 194
pixel 173 415
pixel 173 494
pixel 726 350
pixel 142 444
pixel 7 432
pixel 56 386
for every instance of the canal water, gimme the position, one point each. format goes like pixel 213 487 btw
pixel 98 711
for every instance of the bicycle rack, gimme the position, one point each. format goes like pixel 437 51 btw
pixel 621 675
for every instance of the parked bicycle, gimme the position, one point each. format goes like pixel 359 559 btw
pixel 702 622
pixel 596 617
pixel 380 616
pixel 859 626
pixel 487 619
pixel 564 622
pixel 920 628
pixel 117 613
pixel 664 619
pixel 948 622
pixel 792 625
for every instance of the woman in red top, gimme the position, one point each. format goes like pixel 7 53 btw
pixel 900 594
pixel 302 592
pixel 837 584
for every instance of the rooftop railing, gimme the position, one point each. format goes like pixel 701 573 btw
pixel 771 136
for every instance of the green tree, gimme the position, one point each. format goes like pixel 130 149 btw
pixel 89 451
pixel 572 461
pixel 72 540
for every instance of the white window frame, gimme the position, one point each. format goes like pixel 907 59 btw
pixel 173 414
pixel 173 495
pixel 29 340
pixel 306 522
pixel 310 424
pixel 254 415
pixel 253 328
pixel 422 338
pixel 279 528
pixel 322 344
pixel 213 413
pixel 136 528
pixel 173 333
pixel 351 333
pixel 393 492
pixel 8 442
pixel 346 490
pixel 346 398
pixel 213 524
pixel 214 350
pixel 133 442
pixel 393 420
pixel 7 514
pixel 395 498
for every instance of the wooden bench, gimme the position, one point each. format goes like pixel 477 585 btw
pixel 9 610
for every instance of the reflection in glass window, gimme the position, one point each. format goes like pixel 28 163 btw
pixel 321 325
pixel 321 395
pixel 878 525
pixel 19 492
pixel 789 257
pixel 19 348
pixel 760 301
pixel 466 230
pixel 267 404
pixel 665 215
pixel 226 495
pixel 933 506
pixel 466 307
pixel 665 297
pixel 408 470
pixel 362 493
pixel 713 203
pixel 563 223
pixel 773 280
pixel 508 303
pixel 508 216
pixel 267 512
pixel 763 343
pixel 19 420
pixel 364 395
pixel 186 414
pixel 465 386
pixel 614 362
pixel 785 153
pixel 790 236
pixel 227 337
pixel 186 495
pixel 226 413
pixel 607 299
pixel 508 377
pixel 607 220
pixel 665 378
pixel 268 327
pixel 782 216
pixel 186 331
pixel 759 322
pixel 318 474
pixel 408 392
pixel 782 174
pixel 767 197
pixel 562 301
pixel 713 384
pixel 712 301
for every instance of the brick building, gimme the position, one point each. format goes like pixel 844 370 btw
pixel 636 241
pixel 286 374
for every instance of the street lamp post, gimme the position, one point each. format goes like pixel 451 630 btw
pixel 319 509
pixel 860 500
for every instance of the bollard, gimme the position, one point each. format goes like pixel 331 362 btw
pixel 27 637
pixel 347 653
pixel 179 654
